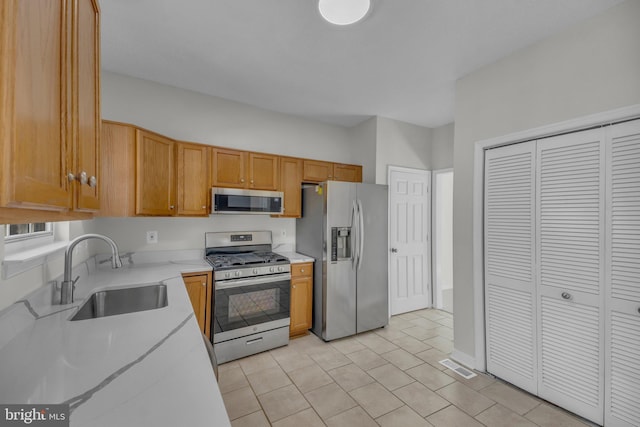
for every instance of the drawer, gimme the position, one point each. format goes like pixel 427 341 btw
pixel 302 270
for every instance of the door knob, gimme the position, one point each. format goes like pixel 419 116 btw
pixel 394 250
pixel 566 295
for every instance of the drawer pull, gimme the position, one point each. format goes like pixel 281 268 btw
pixel 302 270
pixel 253 341
pixel 566 295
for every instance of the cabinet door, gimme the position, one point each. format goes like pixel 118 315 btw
pixel 301 298
pixel 33 92
pixel 263 171
pixel 155 185
pixel 317 171
pixel 570 245
pixel 198 289
pixel 351 173
pixel 509 264
pixel 291 185
pixel 117 170
pixel 193 179
pixel 86 101
pixel 229 168
pixel 622 390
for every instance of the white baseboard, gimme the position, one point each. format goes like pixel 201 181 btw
pixel 463 359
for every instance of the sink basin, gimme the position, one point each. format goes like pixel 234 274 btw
pixel 111 302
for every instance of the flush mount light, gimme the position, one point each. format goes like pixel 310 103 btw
pixel 343 12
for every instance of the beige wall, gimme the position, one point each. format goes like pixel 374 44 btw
pixel 589 68
pixel 442 147
pixel 401 144
pixel 363 141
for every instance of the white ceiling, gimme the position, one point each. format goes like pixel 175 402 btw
pixel 401 62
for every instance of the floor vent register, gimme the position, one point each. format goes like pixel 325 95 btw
pixel 460 370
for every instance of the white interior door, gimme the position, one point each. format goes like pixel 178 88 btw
pixel 622 397
pixel 442 239
pixel 509 224
pixel 570 243
pixel 409 224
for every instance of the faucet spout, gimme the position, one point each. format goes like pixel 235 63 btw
pixel 68 285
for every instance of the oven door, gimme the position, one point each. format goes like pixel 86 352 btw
pixel 248 306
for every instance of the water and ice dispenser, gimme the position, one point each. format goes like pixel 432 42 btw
pixel 340 243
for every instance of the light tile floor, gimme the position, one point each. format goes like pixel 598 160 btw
pixel 387 377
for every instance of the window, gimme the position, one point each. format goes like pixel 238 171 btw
pixel 14 232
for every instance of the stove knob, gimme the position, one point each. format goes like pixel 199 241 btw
pixel 255 271
pixel 280 269
pixel 271 269
pixel 237 273
pixel 227 275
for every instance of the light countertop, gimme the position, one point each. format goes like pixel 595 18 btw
pixel 296 257
pixel 148 368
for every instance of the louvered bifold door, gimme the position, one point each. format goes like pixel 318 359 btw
pixel 509 264
pixel 622 376
pixel 570 255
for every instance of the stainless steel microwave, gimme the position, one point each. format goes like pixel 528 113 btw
pixel 237 201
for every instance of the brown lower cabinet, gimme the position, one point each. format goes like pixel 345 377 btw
pixel 301 298
pixel 199 287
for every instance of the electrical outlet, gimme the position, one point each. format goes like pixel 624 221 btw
pixel 152 237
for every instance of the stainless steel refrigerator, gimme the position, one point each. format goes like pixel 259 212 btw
pixel 344 227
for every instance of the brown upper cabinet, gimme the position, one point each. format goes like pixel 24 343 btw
pixel 228 168
pixel 291 185
pixel 50 111
pixel 263 171
pixel 193 183
pixel 317 171
pixel 148 174
pixel 155 176
pixel 242 169
pixel 351 173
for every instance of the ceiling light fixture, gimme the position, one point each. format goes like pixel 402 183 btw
pixel 343 12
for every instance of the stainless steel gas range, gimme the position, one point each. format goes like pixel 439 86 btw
pixel 251 294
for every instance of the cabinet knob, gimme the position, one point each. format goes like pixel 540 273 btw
pixel 93 181
pixel 241 179
pixel 566 295
pixel 204 207
pixel 302 270
pixel 83 178
pixel 71 177
pixel 252 181
pixel 294 286
pixel 171 207
pixel 204 285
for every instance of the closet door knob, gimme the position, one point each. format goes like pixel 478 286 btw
pixel 566 295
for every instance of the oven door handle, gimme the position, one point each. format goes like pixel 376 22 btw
pixel 229 284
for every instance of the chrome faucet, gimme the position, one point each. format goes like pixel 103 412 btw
pixel 68 285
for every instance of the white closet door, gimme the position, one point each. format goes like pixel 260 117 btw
pixel 509 264
pixel 570 243
pixel 622 398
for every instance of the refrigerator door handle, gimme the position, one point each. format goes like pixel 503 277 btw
pixel 360 233
pixel 354 238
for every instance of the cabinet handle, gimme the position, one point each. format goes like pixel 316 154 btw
pixel 566 295
pixel 71 177
pixel 93 181
pixel 83 178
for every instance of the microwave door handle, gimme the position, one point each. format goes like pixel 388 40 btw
pixel 360 233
